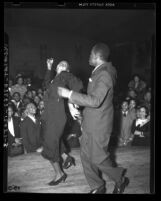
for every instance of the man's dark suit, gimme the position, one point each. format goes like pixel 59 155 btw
pixel 30 133
pixel 16 127
pixel 97 125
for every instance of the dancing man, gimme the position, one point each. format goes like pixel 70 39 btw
pixel 97 122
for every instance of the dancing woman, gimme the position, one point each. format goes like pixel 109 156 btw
pixel 54 115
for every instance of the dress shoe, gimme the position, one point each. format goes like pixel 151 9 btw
pixel 56 182
pixel 69 162
pixel 119 188
pixel 100 190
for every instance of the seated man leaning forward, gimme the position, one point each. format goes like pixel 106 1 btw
pixel 30 130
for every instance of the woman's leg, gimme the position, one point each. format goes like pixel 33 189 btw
pixel 57 169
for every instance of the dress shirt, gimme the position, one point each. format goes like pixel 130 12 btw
pixel 10 127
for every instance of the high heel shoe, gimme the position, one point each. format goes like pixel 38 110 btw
pixel 61 179
pixel 69 162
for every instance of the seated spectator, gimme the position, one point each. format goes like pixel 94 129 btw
pixel 28 83
pixel 30 129
pixel 40 95
pixel 26 100
pixel 131 94
pixel 40 91
pixel 141 128
pixel 13 133
pixel 34 94
pixel 10 84
pixel 126 120
pixel 40 108
pixel 29 94
pixel 132 112
pixel 146 101
pixel 37 100
pixel 16 103
pixel 137 84
pixel 19 87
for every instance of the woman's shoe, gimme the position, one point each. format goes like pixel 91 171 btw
pixel 61 179
pixel 69 162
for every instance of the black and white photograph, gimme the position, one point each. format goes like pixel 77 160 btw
pixel 79 91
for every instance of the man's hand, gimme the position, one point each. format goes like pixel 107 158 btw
pixel 50 63
pixel 63 92
pixel 75 113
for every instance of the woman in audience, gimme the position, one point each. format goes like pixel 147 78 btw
pixel 19 87
pixel 141 128
pixel 146 101
pixel 131 94
pixel 34 93
pixel 29 94
pixel 37 100
pixel 40 108
pixel 137 84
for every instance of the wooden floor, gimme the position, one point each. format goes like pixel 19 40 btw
pixel 31 173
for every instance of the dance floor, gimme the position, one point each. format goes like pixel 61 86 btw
pixel 31 173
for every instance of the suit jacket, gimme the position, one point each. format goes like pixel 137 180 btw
pixel 16 109
pixel 30 133
pixel 98 113
pixel 16 127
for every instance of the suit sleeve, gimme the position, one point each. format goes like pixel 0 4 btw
pixel 17 127
pixel 95 99
pixel 47 78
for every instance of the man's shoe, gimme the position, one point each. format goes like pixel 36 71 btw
pixel 119 188
pixel 100 190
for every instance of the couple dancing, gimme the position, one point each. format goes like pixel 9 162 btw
pixel 97 122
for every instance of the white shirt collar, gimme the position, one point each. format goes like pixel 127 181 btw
pixel 141 122
pixel 10 127
pixel 97 67
pixel 32 118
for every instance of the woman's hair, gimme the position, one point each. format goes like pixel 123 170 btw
pixel 146 109
pixel 18 78
pixel 16 93
pixel 132 99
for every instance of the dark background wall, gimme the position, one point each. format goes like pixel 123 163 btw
pixel 69 34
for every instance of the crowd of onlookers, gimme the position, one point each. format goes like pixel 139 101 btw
pixel 132 115
pixel 26 105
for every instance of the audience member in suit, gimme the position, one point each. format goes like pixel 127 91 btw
pixel 16 103
pixel 30 130
pixel 128 114
pixel 13 129
pixel 132 114
pixel 141 128
pixel 97 122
